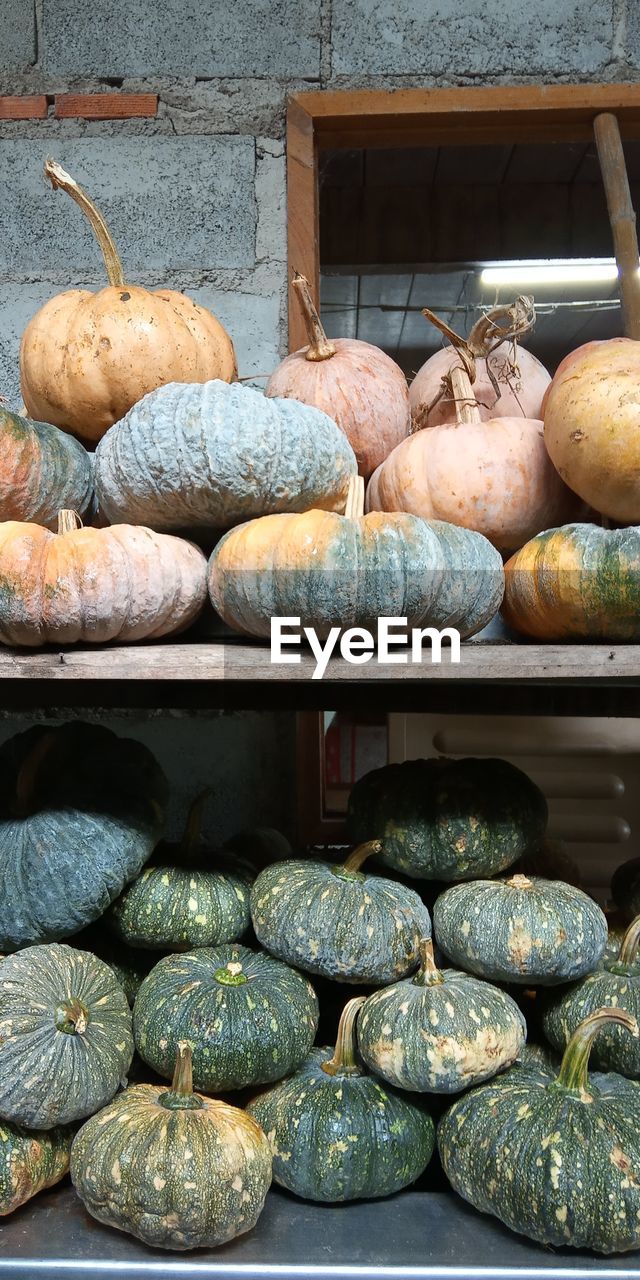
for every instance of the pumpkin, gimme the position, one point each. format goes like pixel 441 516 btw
pixel 207 457
pixel 448 819
pixel 509 382
pixel 249 1017
pixel 30 1161
pixel 86 358
pixel 336 1133
pixel 439 1031
pixel 334 920
pixel 579 582
pixel 357 384
pixel 592 425
pixel 128 966
pixel 523 930
pixel 553 1159
pixel 625 888
pixel 65 1036
pixel 333 570
pixel 172 1168
pixel 96 585
pixel 180 901
pixel 80 812
pixel 41 470
pixel 260 846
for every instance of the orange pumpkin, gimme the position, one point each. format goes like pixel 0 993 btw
pixel 94 585
pixel 86 358
pixel 355 383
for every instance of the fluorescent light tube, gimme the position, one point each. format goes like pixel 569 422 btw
pixel 551 271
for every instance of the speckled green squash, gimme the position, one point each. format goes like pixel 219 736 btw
pixel 80 812
pixel 336 1132
pixel 209 455
pixel 524 930
pixel 625 888
pixel 249 1018
pixel 65 1036
pixel 177 1170
pixel 448 819
pixel 439 1031
pixel 129 965
pixel 553 1159
pixel 42 471
pixel 30 1161
pixel 333 920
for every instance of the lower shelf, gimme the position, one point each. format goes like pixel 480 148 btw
pixel 411 1236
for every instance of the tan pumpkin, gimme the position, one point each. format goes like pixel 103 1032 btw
pixel 94 585
pixel 355 383
pixel 86 358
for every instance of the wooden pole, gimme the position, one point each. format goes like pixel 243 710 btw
pixel 621 217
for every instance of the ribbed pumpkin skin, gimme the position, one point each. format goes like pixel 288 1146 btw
pixel 523 930
pixel 340 924
pixel 96 813
pixel 30 1161
pixel 174 1179
pixel 245 1034
pixel 342 1137
pixel 42 470
pixel 616 983
pixel 50 1076
pixel 332 571
pixel 172 908
pixel 579 582
pixel 212 455
pixel 448 819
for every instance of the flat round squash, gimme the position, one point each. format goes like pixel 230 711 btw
pixel 42 470
pixel 30 1161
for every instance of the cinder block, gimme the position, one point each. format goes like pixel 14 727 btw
pixel 253 320
pixel 173 204
pixel 182 37
pixel 17 35
pixel 18 303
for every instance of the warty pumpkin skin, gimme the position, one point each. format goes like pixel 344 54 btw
pixel 336 1132
pixel 41 471
pixel 579 582
pixel 86 358
pixel 173 1168
pixel 439 1031
pixel 553 1159
pixel 30 1161
pixel 65 1035
pixel 250 1018
pixel 335 920
pixel 524 930
pixel 442 819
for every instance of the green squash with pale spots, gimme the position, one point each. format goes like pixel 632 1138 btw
pixel 554 1159
pixel 439 1031
pixel 249 1018
pixel 336 1132
pixel 333 920
pixel 30 1161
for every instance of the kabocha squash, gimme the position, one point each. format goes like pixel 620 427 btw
pixel 553 1159
pixel 579 582
pixel 439 1031
pixel 172 1168
pixel 30 1161
pixel 448 819
pixel 41 470
pixel 86 358
pixel 80 812
pixel 260 846
pixel 357 384
pixel 207 457
pixel 96 585
pixel 333 570
pixel 249 1018
pixel 336 1132
pixel 65 1036
pixel 184 900
pixel 625 888
pixel 335 920
pixel 524 930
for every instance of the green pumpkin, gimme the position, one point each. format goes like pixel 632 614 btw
pixel 260 846
pixel 65 1036
pixel 42 471
pixel 30 1161
pixel 249 1018
pixel 439 1031
pixel 128 965
pixel 80 812
pixel 625 888
pixel 336 1132
pixel 172 1168
pixel 523 930
pixel 448 819
pixel 333 920
pixel 554 1159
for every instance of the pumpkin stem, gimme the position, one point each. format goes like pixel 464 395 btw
pixel 193 827
pixel 180 1097
pixel 354 507
pixel 344 1061
pixel 467 407
pixel 428 974
pixel 628 953
pixel 519 882
pixel 28 773
pixel 231 975
pixel 319 346
pixel 501 324
pixel 574 1069
pixel 68 522
pixel 72 1017
pixel 359 856
pixel 60 179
